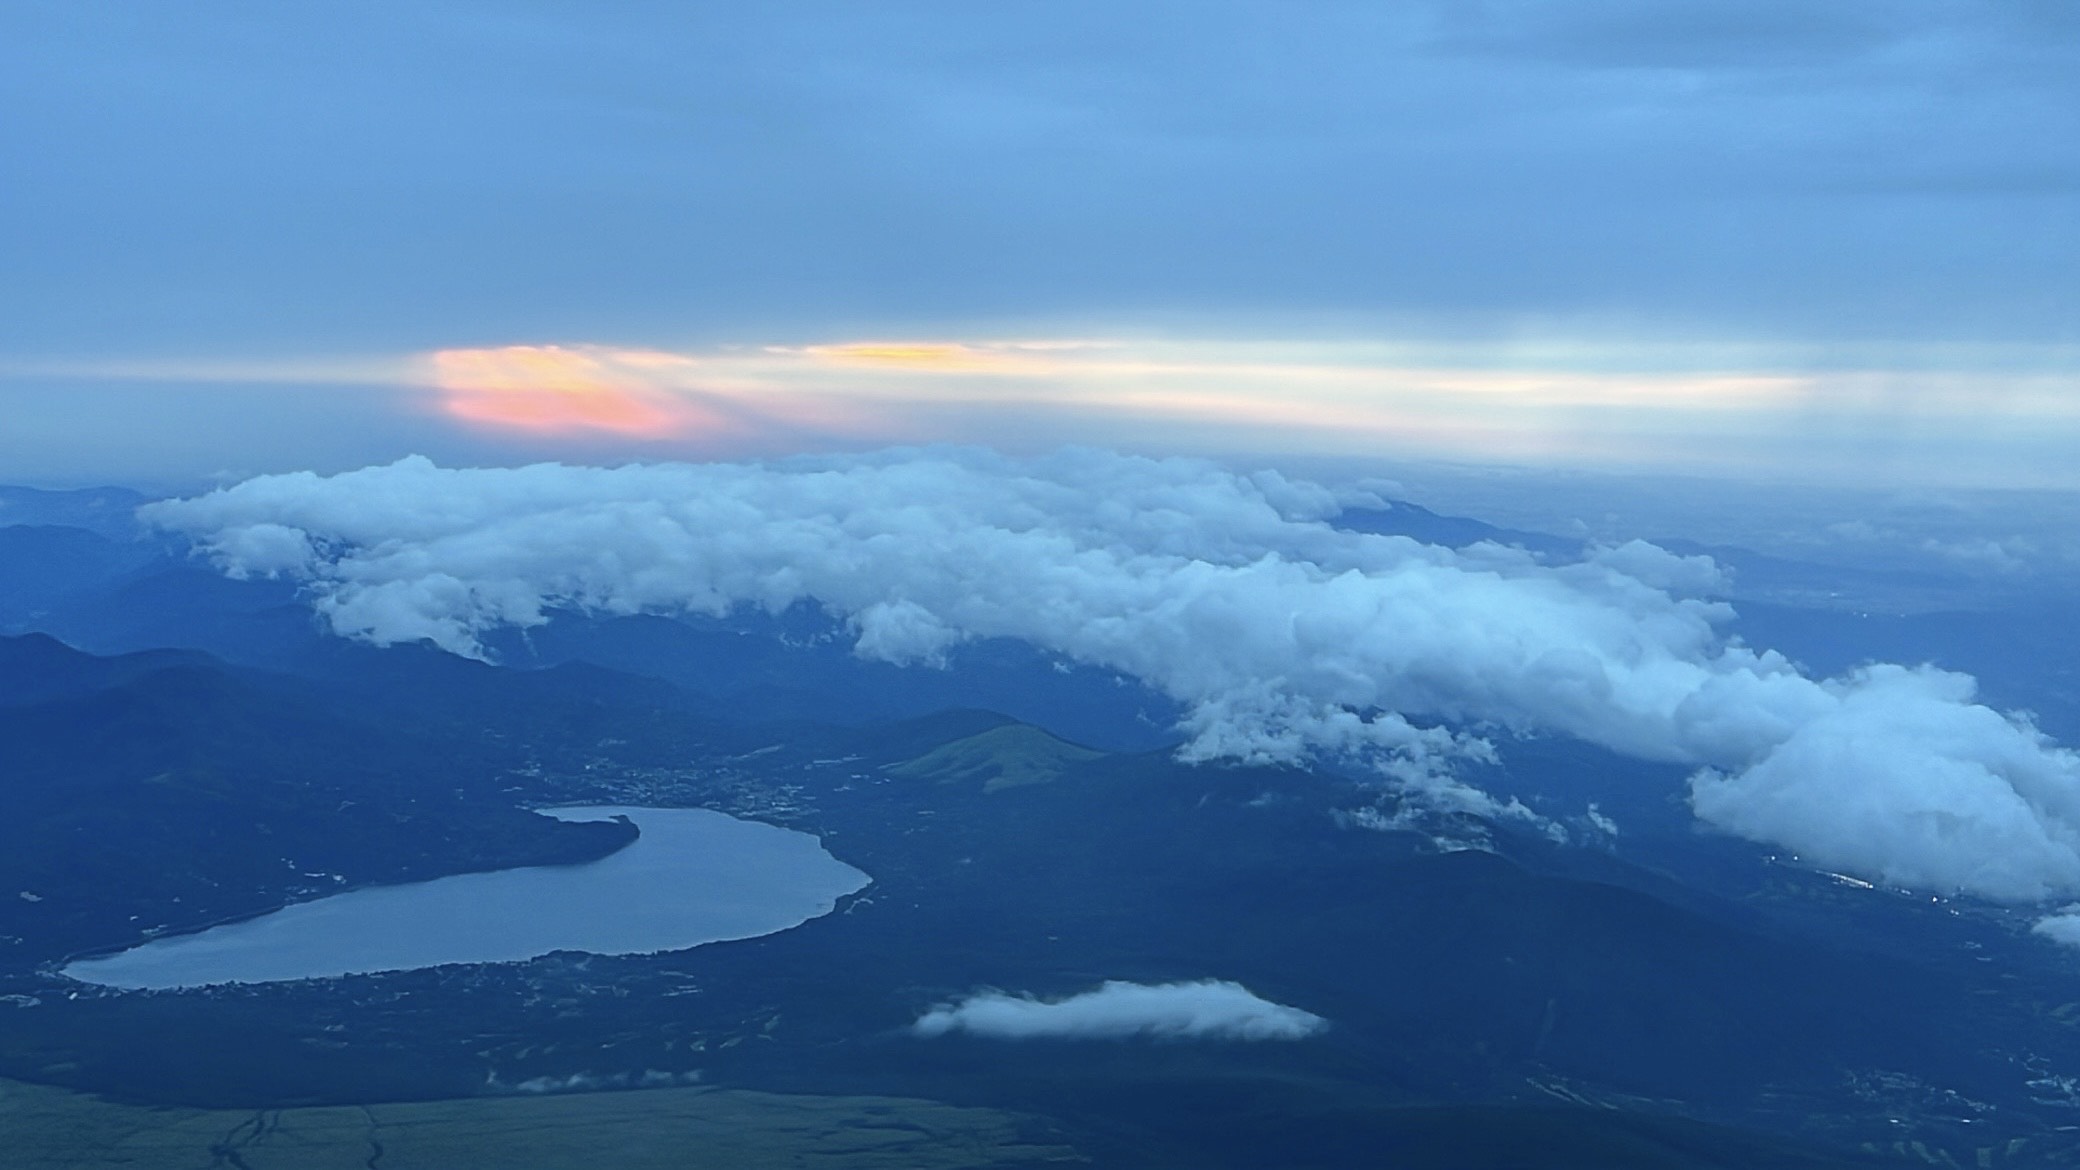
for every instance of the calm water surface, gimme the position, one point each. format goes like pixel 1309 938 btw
pixel 693 877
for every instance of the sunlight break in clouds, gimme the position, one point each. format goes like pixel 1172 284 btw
pixel 1750 413
pixel 1211 1009
pixel 1300 398
pixel 1283 637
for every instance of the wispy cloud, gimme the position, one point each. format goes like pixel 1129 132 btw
pixel 1586 407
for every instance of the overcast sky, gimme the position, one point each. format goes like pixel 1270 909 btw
pixel 1734 238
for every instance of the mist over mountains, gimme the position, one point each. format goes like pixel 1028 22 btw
pixel 1280 634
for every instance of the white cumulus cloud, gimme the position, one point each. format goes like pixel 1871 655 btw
pixel 1281 636
pixel 2061 928
pixel 1211 1009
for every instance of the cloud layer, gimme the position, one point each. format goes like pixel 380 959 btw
pixel 1282 636
pixel 1864 169
pixel 1210 1009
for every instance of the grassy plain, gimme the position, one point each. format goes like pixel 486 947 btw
pixel 684 1128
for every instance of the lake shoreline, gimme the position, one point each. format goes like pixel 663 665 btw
pixel 690 877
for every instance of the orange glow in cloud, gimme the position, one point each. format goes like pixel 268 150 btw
pixel 940 357
pixel 549 388
pixel 896 353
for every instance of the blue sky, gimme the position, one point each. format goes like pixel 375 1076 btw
pixel 254 223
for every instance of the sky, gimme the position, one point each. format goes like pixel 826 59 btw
pixel 1746 240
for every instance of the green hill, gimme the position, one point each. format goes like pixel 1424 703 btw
pixel 1010 756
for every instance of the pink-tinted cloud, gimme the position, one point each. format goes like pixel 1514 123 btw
pixel 554 389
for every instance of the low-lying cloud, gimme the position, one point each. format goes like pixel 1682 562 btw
pixel 1211 1009
pixel 587 1082
pixel 1282 636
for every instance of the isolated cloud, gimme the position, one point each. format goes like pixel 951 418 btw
pixel 1211 1009
pixel 1280 635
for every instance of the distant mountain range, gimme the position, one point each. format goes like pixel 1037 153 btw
pixel 178 748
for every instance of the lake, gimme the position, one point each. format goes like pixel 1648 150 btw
pixel 692 877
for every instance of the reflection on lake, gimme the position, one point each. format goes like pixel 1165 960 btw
pixel 693 877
